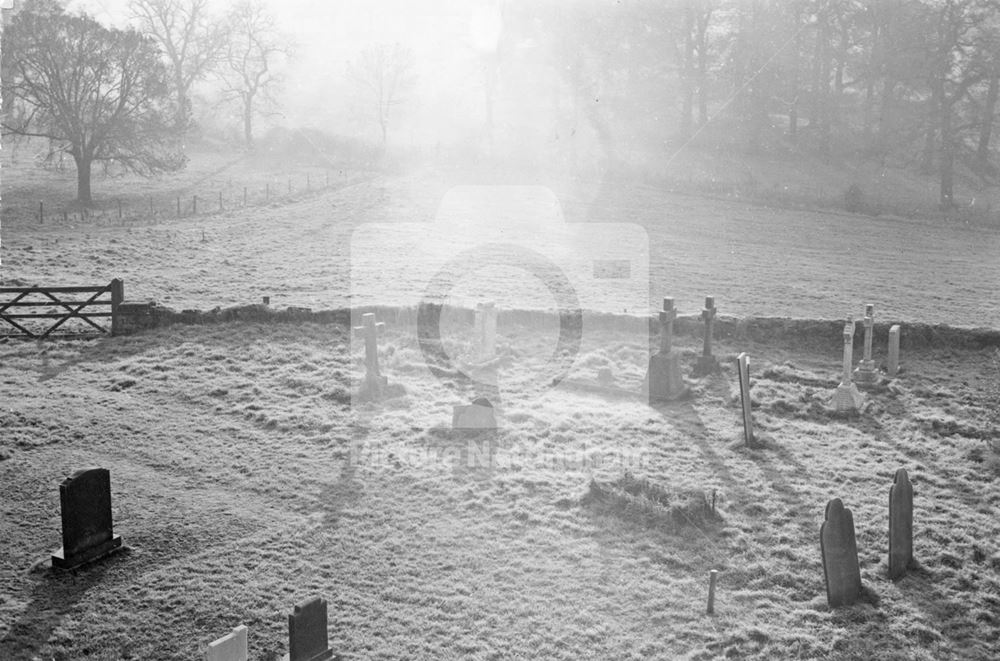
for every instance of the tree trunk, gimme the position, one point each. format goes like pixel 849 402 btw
pixel 248 122
pixel 947 161
pixel 986 128
pixel 182 114
pixel 83 179
pixel 687 106
pixel 703 67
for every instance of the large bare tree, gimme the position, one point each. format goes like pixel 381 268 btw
pixel 385 73
pixel 248 71
pixel 191 39
pixel 96 93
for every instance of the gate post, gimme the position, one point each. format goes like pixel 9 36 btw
pixel 117 296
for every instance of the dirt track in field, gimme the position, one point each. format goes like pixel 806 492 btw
pixel 756 261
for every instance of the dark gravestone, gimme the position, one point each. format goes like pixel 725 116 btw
pixel 743 366
pixel 307 636
pixel 840 556
pixel 85 499
pixel 900 524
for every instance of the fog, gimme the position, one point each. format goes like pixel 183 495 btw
pixel 447 38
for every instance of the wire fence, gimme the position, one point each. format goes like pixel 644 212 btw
pixel 197 200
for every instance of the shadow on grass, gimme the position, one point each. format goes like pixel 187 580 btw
pixel 55 594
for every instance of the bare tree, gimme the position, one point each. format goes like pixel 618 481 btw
pixel 385 72
pixel 247 73
pixel 192 41
pixel 96 93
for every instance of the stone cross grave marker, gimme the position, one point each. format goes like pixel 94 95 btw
pixel 87 534
pixel 743 366
pixel 840 556
pixel 707 363
pixel 307 632
pixel 866 375
pixel 900 524
pixel 846 397
pixel 892 368
pixel 231 647
pixel 374 381
pixel 663 377
pixel 485 340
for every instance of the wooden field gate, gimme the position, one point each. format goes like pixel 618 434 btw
pixel 38 311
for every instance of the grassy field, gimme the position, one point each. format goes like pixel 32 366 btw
pixel 245 479
pixel 757 261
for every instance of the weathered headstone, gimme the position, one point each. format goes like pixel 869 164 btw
pixel 231 647
pixel 743 366
pixel 664 377
pixel 866 375
pixel 847 398
pixel 485 339
pixel 307 632
pixel 374 381
pixel 840 556
pixel 707 363
pixel 900 524
pixel 87 533
pixel 477 415
pixel 892 368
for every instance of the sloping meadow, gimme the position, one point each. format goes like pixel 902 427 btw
pixel 247 474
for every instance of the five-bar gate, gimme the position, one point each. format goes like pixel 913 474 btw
pixel 39 311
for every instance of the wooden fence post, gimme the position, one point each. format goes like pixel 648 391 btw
pixel 41 211
pixel 117 296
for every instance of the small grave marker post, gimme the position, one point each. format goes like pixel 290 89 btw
pixel 865 375
pixel 900 524
pixel 369 329
pixel 220 200
pixel 308 639
pixel 663 377
pixel 231 647
pixel 840 555
pixel 712 576
pixel 892 369
pixel 87 531
pixel 707 363
pixel 847 398
pixel 743 366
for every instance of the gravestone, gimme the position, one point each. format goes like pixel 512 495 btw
pixel 485 339
pixel 892 369
pixel 87 534
pixel 900 524
pixel 847 398
pixel 231 647
pixel 374 381
pixel 866 375
pixel 707 363
pixel 477 415
pixel 307 634
pixel 664 377
pixel 743 366
pixel 840 556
